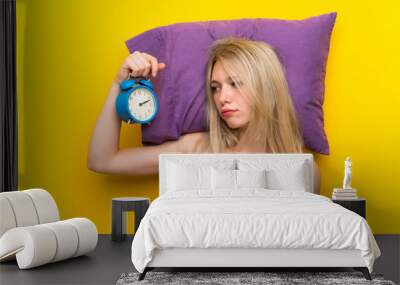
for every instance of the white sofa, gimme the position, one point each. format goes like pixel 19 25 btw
pixel 31 231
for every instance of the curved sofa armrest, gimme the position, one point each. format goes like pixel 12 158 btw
pixel 40 244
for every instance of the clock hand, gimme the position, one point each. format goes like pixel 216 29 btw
pixel 140 104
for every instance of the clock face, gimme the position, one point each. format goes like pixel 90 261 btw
pixel 142 104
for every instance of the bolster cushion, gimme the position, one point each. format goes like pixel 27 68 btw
pixel 26 208
pixel 40 244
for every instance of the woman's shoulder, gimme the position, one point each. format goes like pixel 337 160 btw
pixel 197 142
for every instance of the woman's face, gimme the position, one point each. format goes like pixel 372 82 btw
pixel 233 106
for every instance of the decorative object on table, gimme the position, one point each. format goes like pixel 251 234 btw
pixel 347 192
pixel 183 47
pixel 137 102
pixel 357 205
pixel 31 232
pixel 347 173
pixel 248 278
pixel 119 208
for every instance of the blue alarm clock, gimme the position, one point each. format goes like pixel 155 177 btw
pixel 137 102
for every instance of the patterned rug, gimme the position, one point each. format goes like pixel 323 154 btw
pixel 269 278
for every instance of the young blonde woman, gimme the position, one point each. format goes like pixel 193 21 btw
pixel 248 102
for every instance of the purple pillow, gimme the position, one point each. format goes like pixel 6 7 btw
pixel 302 45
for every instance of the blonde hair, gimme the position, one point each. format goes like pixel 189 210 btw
pixel 273 126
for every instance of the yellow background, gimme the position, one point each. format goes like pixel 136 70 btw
pixel 68 52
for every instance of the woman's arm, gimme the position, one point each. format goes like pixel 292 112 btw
pixel 104 154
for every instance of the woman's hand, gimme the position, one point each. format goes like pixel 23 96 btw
pixel 139 64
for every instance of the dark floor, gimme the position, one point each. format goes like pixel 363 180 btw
pixel 111 259
pixel 102 266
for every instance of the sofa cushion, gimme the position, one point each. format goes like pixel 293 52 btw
pixel 23 208
pixel 45 205
pixel 45 243
pixel 7 215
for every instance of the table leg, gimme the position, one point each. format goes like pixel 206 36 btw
pixel 140 211
pixel 118 222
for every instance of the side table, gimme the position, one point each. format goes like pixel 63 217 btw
pixel 125 204
pixel 357 205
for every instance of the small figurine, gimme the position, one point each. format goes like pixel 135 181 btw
pixel 347 173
